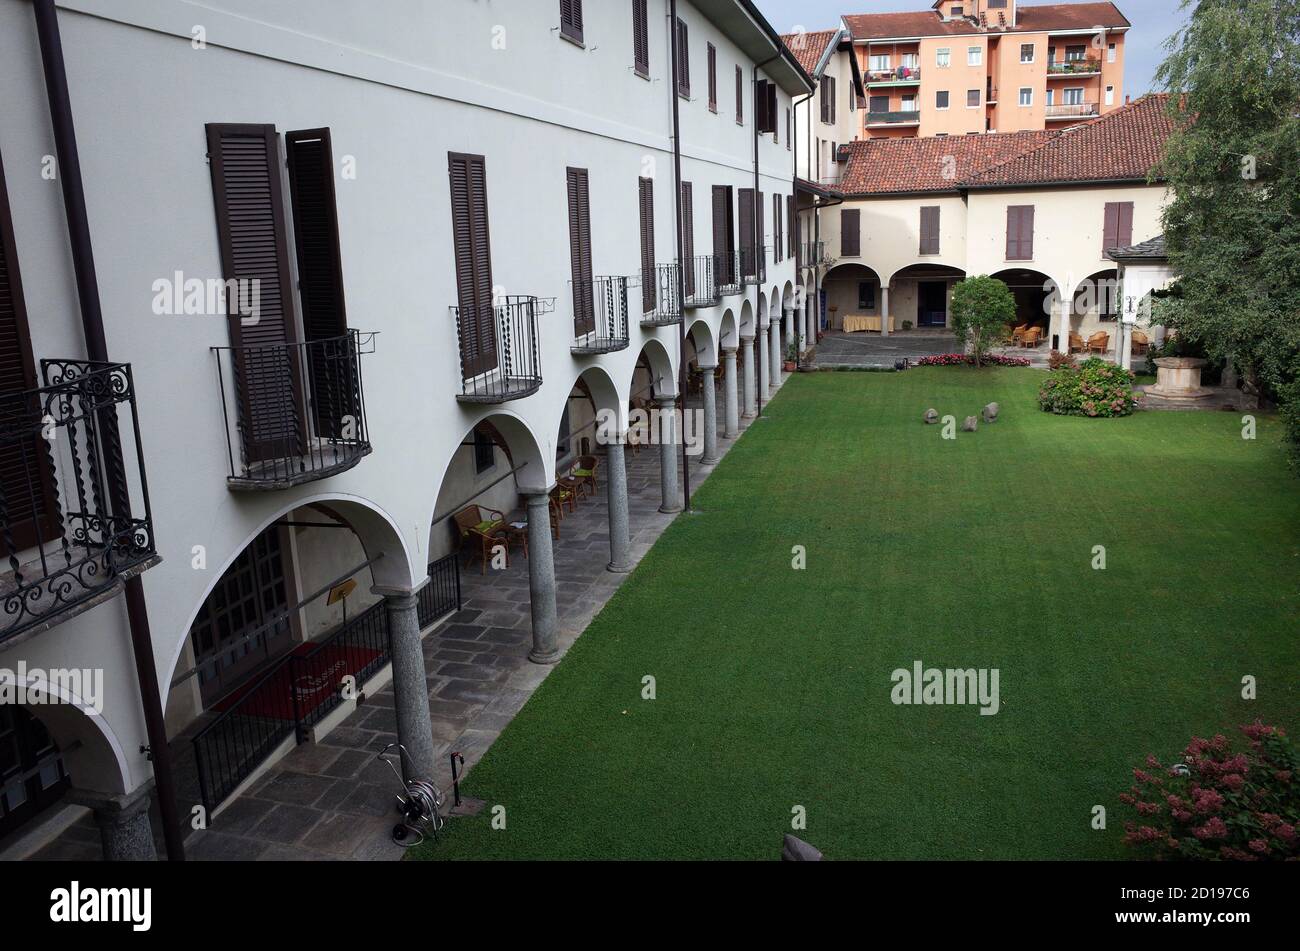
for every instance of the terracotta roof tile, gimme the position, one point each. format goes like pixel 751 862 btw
pixel 932 164
pixel 808 48
pixel 1069 16
pixel 871 26
pixel 1047 17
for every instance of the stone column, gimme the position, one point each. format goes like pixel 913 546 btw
pixel 125 833
pixel 708 375
pixel 729 383
pixel 541 579
pixel 668 455
pixel 789 327
pixel 751 383
pixel 884 311
pixel 410 683
pixel 620 560
pixel 774 354
pixel 763 368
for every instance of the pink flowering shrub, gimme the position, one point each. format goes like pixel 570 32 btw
pixel 1094 388
pixel 1219 803
pixel 965 359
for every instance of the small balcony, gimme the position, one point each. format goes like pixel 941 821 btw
pixel 1089 66
pixel 1072 110
pixel 753 265
pixel 813 254
pixel 726 268
pixel 904 117
pixel 898 76
pixel 294 413
pixel 660 304
pixel 75 521
pixel 701 282
pixel 500 351
pixel 600 309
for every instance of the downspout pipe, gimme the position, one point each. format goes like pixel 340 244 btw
pixel 794 190
pixel 92 320
pixel 682 263
pixel 757 240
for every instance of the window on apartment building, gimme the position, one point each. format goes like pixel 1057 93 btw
pixel 473 253
pixel 910 60
pixel 1020 232
pixel 958 12
pixel 1073 96
pixel 683 60
pixel 930 229
pixel 1110 95
pixel 761 214
pixel 1110 53
pixel 713 78
pixel 1051 97
pixel 850 232
pixel 879 104
pixel 646 201
pixel 789 131
pixel 941 97
pixel 975 56
pixel 828 99
pixel 485 451
pixel 641 37
pixel 778 244
pixel 765 107
pixel 745 199
pixel 909 103
pixel 1075 54
pixel 740 97
pixel 1026 52
pixel 1051 56
pixel 879 62
pixel 792 240
pixel 584 309
pixel 724 235
pixel 972 98
pixel 866 295
pixel 943 57
pixel 1026 96
pixel 1117 226
pixel 688 237
pixel 571 19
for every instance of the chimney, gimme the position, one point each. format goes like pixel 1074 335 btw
pixel 1128 100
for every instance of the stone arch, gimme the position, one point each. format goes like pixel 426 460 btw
pixel 762 310
pixel 706 347
pixel 1037 295
pixel 660 367
pixel 728 330
pixel 841 285
pixel 787 295
pixel 746 319
pixel 91 750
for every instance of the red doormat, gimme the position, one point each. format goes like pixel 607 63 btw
pixel 313 684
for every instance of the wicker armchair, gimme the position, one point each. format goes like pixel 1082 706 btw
pixel 483 528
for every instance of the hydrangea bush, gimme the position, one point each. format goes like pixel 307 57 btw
pixel 1094 388
pixel 1219 803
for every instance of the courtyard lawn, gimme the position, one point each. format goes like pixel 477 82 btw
pixel 773 685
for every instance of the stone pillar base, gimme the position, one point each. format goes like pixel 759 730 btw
pixel 125 832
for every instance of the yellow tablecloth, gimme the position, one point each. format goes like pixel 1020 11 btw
pixel 857 322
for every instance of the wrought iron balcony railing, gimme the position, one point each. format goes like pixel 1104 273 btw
pixel 600 309
pixel 660 303
pixel 726 268
pixel 701 282
pixel 294 413
pixel 1071 110
pixel 753 264
pixel 500 353
pixel 75 521
pixel 813 254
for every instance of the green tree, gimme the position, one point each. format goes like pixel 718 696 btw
pixel 1233 163
pixel 982 307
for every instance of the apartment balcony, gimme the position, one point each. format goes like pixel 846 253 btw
pixel 906 117
pixel 753 265
pixel 701 282
pixel 1091 66
pixel 500 350
pixel 75 522
pixel 294 413
pixel 813 254
pixel 727 271
pixel 600 309
pixel 1073 110
pixel 898 76
pixel 660 304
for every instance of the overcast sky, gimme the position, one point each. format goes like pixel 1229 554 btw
pixel 1153 21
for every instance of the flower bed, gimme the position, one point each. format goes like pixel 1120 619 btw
pixel 966 359
pixel 1095 388
pixel 1219 803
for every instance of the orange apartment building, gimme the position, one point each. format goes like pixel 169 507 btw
pixel 969 66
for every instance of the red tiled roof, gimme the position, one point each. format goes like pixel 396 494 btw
pixel 1124 145
pixel 931 164
pixel 1046 18
pixel 808 48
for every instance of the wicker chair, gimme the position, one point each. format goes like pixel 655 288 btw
pixel 585 472
pixel 1141 343
pixel 1032 337
pixel 1099 342
pixel 1076 343
pixel 482 528
pixel 1018 334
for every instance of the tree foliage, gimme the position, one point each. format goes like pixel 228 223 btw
pixel 1233 163
pixel 982 307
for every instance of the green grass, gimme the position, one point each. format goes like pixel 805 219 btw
pixel 773 684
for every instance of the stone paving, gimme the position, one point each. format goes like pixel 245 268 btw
pixel 334 800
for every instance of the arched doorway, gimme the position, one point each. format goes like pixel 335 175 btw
pixel 851 290
pixel 1094 313
pixel 920 295
pixel 1036 294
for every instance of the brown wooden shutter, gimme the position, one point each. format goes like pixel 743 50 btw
pixel 724 246
pixel 713 78
pixel 584 310
pixel 930 229
pixel 1117 231
pixel 641 36
pixel 473 248
pixel 27 498
pixel 648 276
pixel 1027 232
pixel 251 230
pixel 834 112
pixel 683 60
pixel 1124 233
pixel 688 237
pixel 740 96
pixel 850 232
pixel 1020 232
pixel 571 19
pixel 760 238
pixel 793 218
pixel 789 131
pixel 778 243
pixel 747 231
pixel 825 103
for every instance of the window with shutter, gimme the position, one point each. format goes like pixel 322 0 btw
pixel 320 275
pixel 251 230
pixel 740 97
pixel 641 37
pixel 1020 232
pixel 571 19
pixel 713 78
pixel 747 232
pixel 789 131
pixel 1117 231
pixel 26 487
pixel 850 232
pixel 724 242
pixel 761 235
pixel 584 309
pixel 777 242
pixel 930 229
pixel 793 219
pixel 683 60
pixel 825 96
pixel 473 250
pixel 648 277
pixel 688 238
pixel 834 109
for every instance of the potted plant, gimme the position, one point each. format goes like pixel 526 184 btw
pixel 907 325
pixel 791 358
